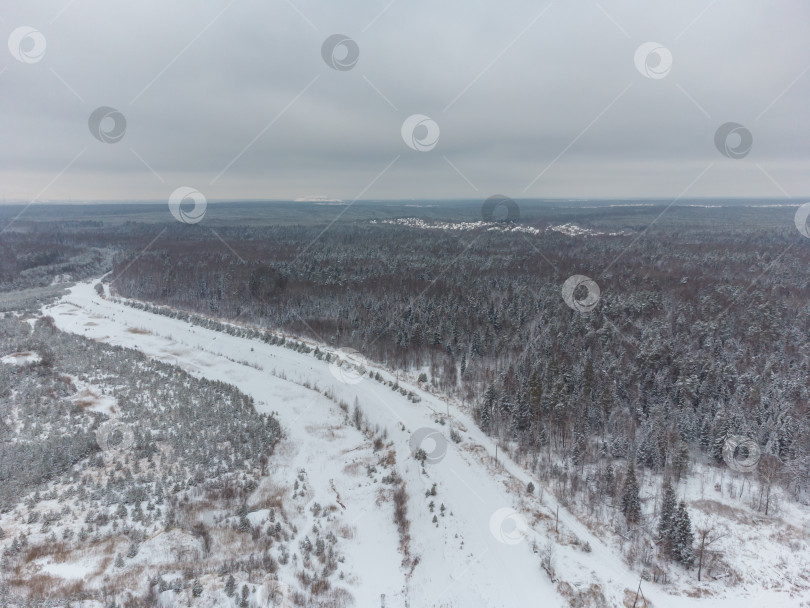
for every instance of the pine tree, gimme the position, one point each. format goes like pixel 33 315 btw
pixel 722 429
pixel 681 461
pixel 668 509
pixel 610 481
pixel 523 415
pixel 578 453
pixel 631 502
pixel 487 408
pixel 644 453
pixel 244 522
pixel 682 537
pixel 706 436
pixel 230 586
pixel 535 397
pixel 588 379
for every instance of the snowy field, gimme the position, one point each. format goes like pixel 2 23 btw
pixel 489 545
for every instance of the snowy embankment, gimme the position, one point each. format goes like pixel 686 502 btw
pixel 488 546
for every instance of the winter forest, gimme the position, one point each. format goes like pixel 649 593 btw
pixel 687 345
pixel 387 304
pixel 623 411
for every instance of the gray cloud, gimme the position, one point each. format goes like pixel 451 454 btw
pixel 515 96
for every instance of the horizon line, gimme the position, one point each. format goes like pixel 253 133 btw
pixel 793 201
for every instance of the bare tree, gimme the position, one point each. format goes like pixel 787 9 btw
pixel 707 533
pixel 769 470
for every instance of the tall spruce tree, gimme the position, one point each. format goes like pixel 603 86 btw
pixel 668 512
pixel 631 502
pixel 682 537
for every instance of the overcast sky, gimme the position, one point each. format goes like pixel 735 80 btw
pixel 529 99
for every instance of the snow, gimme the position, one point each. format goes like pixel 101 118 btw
pixel 575 230
pixel 92 397
pixel 25 358
pixel 481 572
pixel 486 549
pixel 566 229
pixel 61 279
pixel 68 570
pixel 415 222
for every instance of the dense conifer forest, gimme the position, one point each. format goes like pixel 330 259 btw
pixel 697 335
